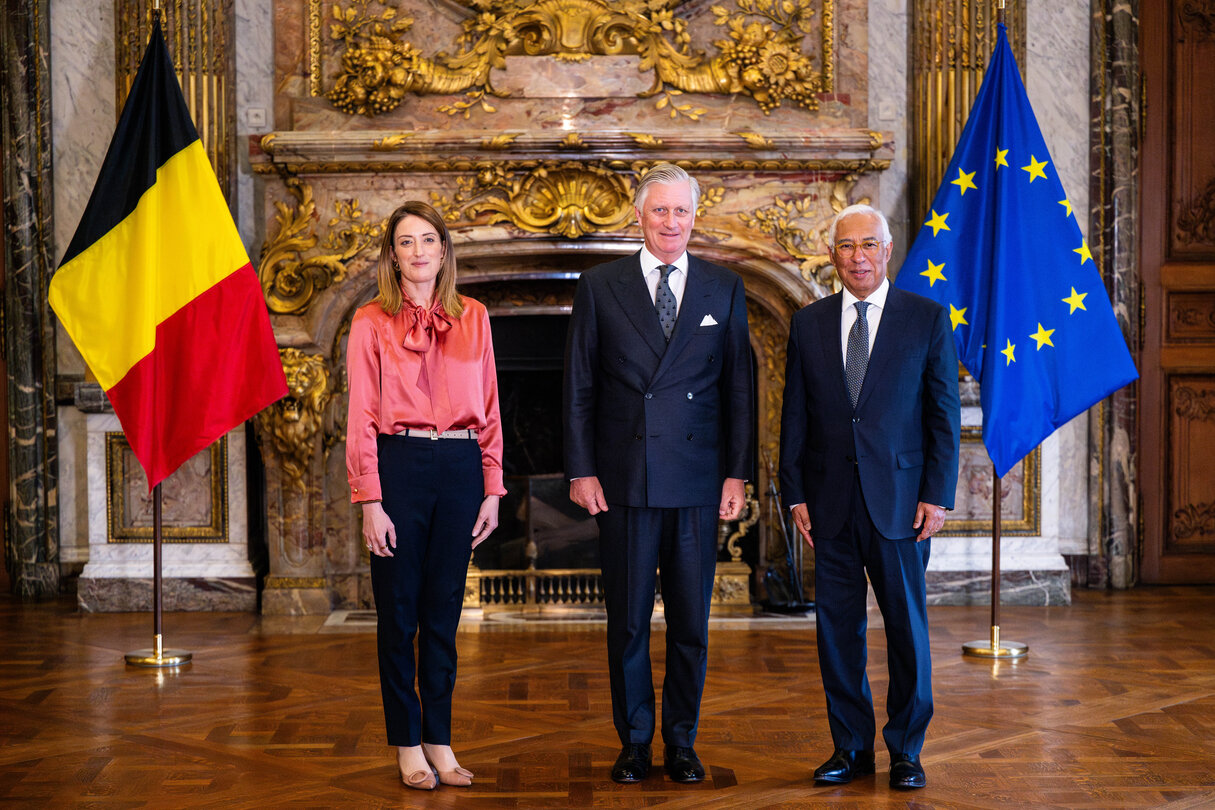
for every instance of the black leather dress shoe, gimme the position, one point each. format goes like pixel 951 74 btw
pixel 682 764
pixel 633 764
pixel 843 766
pixel 906 773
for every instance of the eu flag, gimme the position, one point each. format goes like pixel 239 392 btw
pixel 1003 251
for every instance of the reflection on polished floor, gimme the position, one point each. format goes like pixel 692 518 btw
pixel 1114 707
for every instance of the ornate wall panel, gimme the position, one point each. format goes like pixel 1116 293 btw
pixel 1177 324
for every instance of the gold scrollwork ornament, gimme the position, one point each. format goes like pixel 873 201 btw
pixel 292 271
pixel 761 56
pixel 290 427
pixel 568 199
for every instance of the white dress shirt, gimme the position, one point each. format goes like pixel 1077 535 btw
pixel 873 317
pixel 677 280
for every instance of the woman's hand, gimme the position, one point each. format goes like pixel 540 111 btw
pixel 378 532
pixel 487 519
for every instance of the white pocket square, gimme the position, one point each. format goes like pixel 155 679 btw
pixel 708 321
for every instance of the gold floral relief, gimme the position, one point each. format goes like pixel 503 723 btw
pixel 292 428
pixel 567 199
pixel 295 264
pixel 762 55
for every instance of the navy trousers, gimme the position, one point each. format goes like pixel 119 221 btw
pixel 896 570
pixel 432 491
pixel 634 542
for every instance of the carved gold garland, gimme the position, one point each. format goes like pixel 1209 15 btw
pixel 467 164
pixel 761 56
pixel 290 427
pixel 569 199
pixel 781 221
pixel 291 277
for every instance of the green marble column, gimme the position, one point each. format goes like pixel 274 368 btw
pixel 32 535
pixel 1114 232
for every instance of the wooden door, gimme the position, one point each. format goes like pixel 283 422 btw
pixel 1177 262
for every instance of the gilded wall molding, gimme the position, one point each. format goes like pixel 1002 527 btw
pixel 562 198
pixel 128 502
pixel 761 56
pixel 292 427
pixel 800 228
pixel 292 269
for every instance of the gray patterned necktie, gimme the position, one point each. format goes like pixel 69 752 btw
pixel 858 353
pixel 664 301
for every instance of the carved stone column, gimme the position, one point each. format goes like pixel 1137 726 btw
pixel 29 329
pixel 292 437
pixel 1113 226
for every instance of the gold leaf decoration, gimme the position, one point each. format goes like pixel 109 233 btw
pixel 391 142
pixel 289 428
pixel 567 199
pixel 572 141
pixel 645 140
pixel 756 141
pixel 502 141
pixel 291 270
pixel 762 55
pixel 800 228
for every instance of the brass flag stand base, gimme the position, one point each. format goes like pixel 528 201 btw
pixel 993 648
pixel 158 656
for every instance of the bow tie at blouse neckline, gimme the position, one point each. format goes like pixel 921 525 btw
pixel 426 323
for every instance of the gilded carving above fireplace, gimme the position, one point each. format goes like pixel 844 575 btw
pixel 763 55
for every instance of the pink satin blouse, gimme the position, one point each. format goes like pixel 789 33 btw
pixel 420 369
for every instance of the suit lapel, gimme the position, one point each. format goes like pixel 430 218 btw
pixel 829 341
pixel 698 294
pixel 634 297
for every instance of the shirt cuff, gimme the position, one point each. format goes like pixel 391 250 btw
pixel 493 481
pixel 365 488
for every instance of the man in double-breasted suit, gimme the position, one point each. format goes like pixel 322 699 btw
pixel 869 463
pixel 659 432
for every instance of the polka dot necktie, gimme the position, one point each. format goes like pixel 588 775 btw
pixel 664 301
pixel 858 353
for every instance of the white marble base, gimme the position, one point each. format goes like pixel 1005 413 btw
pixel 201 576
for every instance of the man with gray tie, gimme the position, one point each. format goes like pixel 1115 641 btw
pixel 870 429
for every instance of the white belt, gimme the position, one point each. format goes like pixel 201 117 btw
pixel 462 433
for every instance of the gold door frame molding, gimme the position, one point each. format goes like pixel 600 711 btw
pixel 120 528
pixel 761 55
pixel 199 35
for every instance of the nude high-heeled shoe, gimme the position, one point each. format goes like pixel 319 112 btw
pixel 460 777
pixel 420 780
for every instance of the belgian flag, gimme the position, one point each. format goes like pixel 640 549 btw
pixel 156 289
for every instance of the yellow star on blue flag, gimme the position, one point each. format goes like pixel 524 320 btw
pixel 1011 247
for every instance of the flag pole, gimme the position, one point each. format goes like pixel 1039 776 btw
pixel 157 656
pixel 993 648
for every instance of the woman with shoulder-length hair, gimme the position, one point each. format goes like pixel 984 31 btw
pixel 424 458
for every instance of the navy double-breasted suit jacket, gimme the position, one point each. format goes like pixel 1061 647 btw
pixel 902 437
pixel 661 425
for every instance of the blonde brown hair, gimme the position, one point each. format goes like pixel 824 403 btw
pixel 388 277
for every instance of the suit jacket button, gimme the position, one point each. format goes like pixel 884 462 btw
pixel 855 419
pixel 622 358
pixel 689 437
pixel 689 395
pixel 648 395
pixel 637 436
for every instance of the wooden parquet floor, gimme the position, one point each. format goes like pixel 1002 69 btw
pixel 1113 708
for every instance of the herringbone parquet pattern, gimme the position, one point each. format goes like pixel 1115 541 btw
pixel 1114 708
